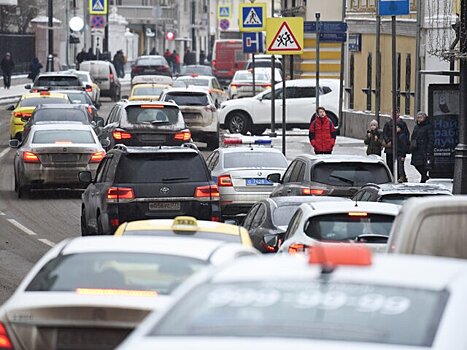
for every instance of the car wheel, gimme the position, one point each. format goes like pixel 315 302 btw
pixel 22 190
pixel 213 142
pixel 100 228
pixel 239 123
pixel 84 224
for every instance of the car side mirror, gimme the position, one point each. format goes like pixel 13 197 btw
pixel 11 108
pixel 85 177
pixel 14 143
pixel 272 242
pixel 105 142
pixel 99 121
pixel 27 86
pixel 274 178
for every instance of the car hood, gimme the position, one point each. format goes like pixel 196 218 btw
pixel 239 102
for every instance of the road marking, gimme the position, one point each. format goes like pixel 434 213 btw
pixel 46 241
pixel 4 152
pixel 2 213
pixel 22 227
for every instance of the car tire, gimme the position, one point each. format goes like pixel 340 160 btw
pixel 238 123
pixel 100 229
pixel 84 224
pixel 22 190
pixel 213 142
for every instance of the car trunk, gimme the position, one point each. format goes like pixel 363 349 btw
pixel 197 116
pixel 64 155
pixel 253 180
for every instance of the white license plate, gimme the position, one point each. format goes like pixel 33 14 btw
pixel 164 206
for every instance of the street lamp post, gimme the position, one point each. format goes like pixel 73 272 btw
pixel 50 59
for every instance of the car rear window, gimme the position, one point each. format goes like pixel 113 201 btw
pixel 189 81
pixel 152 114
pixel 188 98
pixel 36 101
pixel 60 115
pixel 148 91
pixel 399 199
pixel 196 70
pixel 114 271
pixel 63 136
pixel 251 159
pixel 198 234
pixel 79 98
pixel 361 226
pixel 151 61
pixel 83 77
pixel 313 309
pixel 165 168
pixel 350 174
pixel 58 81
pixel 260 76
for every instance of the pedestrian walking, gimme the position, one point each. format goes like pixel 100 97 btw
pixel 119 64
pixel 34 68
pixel 202 57
pixel 90 55
pixel 322 133
pixel 421 146
pixel 186 57
pixel 169 58
pixel 176 62
pixel 402 150
pixel 80 57
pixel 57 63
pixel 7 65
pixel 373 139
pixel 387 137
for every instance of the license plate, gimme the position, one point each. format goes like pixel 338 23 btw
pixel 64 157
pixel 254 182
pixel 90 339
pixel 164 206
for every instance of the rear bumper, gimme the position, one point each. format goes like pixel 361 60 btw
pixel 37 175
pixel 233 204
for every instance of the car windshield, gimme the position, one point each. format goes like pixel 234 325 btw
pixel 161 168
pixel 147 91
pixel 151 61
pixel 399 199
pixel 114 270
pixel 197 234
pixel 152 114
pixel 188 98
pixel 36 101
pixel 58 81
pixel 60 115
pixel 314 309
pixel 350 173
pixel 251 159
pixel 191 81
pixel 63 136
pixel 360 226
pixel 79 98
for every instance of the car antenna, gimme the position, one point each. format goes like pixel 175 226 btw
pixel 356 202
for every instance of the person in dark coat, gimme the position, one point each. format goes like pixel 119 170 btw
pixel 90 55
pixel 403 145
pixel 35 68
pixel 202 57
pixel 387 137
pixel 373 139
pixel 322 133
pixel 119 63
pixel 81 57
pixel 421 145
pixel 186 57
pixel 7 66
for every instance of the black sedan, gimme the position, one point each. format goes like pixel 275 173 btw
pixel 267 220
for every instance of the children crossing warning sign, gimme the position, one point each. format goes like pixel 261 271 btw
pixel 98 7
pixel 284 35
pixel 253 17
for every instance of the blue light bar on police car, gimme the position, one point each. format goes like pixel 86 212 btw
pixel 247 140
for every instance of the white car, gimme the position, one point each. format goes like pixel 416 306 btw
pixel 241 174
pixel 94 91
pixel 242 83
pixel 341 298
pixel 253 114
pixel 199 112
pixel 209 82
pixel 90 292
pixel 362 222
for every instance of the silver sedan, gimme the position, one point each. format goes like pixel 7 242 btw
pixel 53 154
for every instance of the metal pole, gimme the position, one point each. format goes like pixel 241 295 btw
pixel 67 20
pixel 50 62
pixel 418 76
pixel 193 30
pixel 460 166
pixel 291 67
pixel 106 34
pixel 273 88
pixel 254 79
pixel 284 109
pixel 341 76
pixel 378 65
pixel 317 16
pixel 394 99
pixel 85 19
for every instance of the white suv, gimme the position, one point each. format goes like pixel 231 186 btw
pixel 199 112
pixel 254 114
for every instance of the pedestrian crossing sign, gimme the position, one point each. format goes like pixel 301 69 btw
pixel 253 17
pixel 284 35
pixel 98 7
pixel 224 11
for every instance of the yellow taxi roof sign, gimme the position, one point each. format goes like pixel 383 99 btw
pixel 284 35
pixel 185 223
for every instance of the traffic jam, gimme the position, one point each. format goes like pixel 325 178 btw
pixel 197 231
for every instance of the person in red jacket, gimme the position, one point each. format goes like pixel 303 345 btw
pixel 322 133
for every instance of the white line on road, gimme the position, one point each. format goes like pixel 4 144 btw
pixel 46 241
pixel 4 152
pixel 2 213
pixel 21 227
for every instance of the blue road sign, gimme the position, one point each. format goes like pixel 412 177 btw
pixel 325 27
pixel 98 7
pixel 253 16
pixel 393 7
pixel 224 11
pixel 333 37
pixel 252 42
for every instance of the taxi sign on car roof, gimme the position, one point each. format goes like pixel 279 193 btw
pixel 185 223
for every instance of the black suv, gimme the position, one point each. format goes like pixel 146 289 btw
pixel 135 183
pixel 330 175
pixel 142 123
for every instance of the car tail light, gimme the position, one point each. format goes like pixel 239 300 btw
pixel 215 218
pixel 89 89
pixel 35 90
pixel 357 214
pixel 224 181
pixel 22 115
pixel 313 191
pixel 97 157
pixel 120 194
pixel 121 135
pixel 184 135
pixel 116 292
pixel 44 93
pixel 297 248
pixel 265 85
pixel 136 70
pixel 30 157
pixel 211 192
pixel 5 342
pixel 114 222
pixel 210 108
pixel 213 62
pixel 111 78
pixel 152 106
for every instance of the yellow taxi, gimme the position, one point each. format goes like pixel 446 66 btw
pixel 186 226
pixel 147 92
pixel 27 104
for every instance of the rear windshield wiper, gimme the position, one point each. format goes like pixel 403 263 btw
pixel 343 179
pixel 371 238
pixel 169 179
